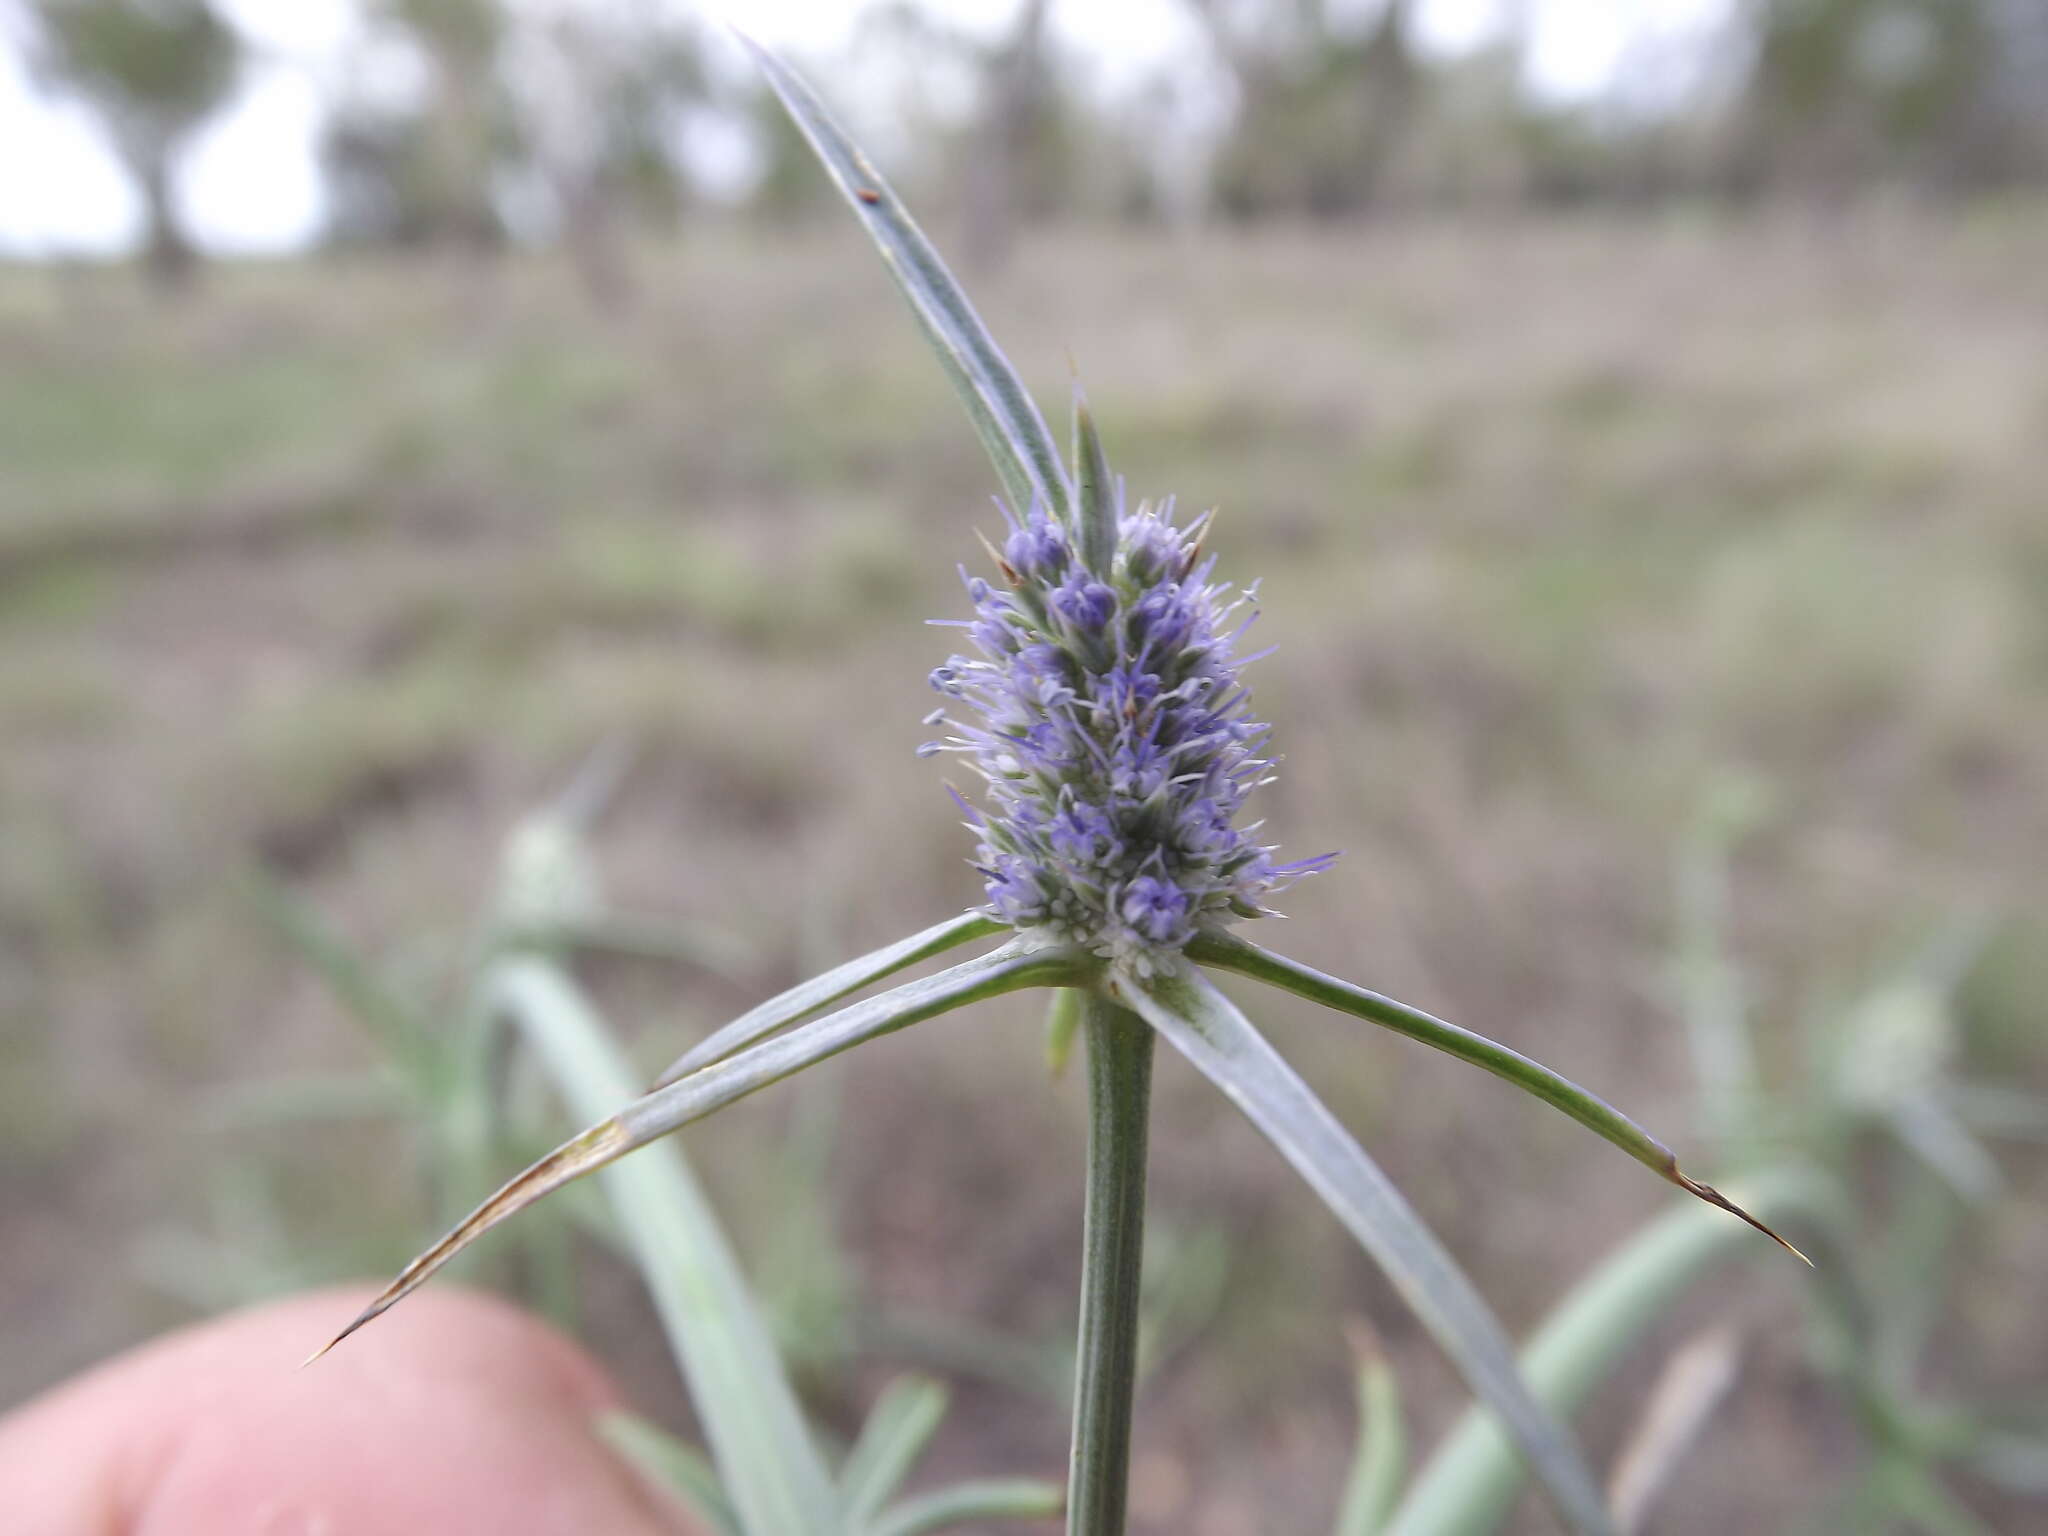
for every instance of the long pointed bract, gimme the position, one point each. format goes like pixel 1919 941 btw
pixel 1009 424
pixel 1207 1028
pixel 807 997
pixel 1095 506
pixel 1232 953
pixel 1014 966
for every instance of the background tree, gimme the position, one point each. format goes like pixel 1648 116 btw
pixel 1006 169
pixel 423 169
pixel 1844 92
pixel 1323 108
pixel 154 70
pixel 604 94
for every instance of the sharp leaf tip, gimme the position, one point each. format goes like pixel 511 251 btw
pixel 1713 1196
pixel 361 1318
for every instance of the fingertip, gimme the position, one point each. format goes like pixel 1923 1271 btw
pixel 459 1413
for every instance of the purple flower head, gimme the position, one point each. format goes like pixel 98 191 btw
pixel 1105 715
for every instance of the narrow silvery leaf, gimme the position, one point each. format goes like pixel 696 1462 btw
pixel 769 1466
pixel 896 1432
pixel 1016 965
pixel 1008 422
pixel 1207 1028
pixel 1231 953
pixel 1470 1482
pixel 1095 495
pixel 971 1505
pixel 666 1109
pixel 807 997
pixel 676 1467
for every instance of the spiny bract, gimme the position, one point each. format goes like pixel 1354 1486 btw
pixel 1112 733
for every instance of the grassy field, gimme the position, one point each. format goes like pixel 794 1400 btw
pixel 1563 530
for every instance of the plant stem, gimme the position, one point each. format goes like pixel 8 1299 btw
pixel 1112 1249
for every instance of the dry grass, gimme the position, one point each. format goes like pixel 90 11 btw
pixel 1559 525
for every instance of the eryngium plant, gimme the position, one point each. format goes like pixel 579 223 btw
pixel 1106 715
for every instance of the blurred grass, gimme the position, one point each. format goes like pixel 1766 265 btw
pixel 342 566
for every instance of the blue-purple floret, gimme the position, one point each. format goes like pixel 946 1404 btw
pixel 1106 715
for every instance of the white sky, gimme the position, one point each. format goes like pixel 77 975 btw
pixel 250 182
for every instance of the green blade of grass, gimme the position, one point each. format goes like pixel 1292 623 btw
pixel 807 997
pixel 641 938
pixel 1038 1366
pixel 396 1027
pixel 768 1463
pixel 970 1504
pixel 897 1430
pixel 1062 1022
pixel 1381 1460
pixel 1919 1495
pixel 1706 983
pixel 308 1096
pixel 1016 965
pixel 1932 1132
pixel 676 1467
pixel 1470 1482
pixel 1992 1110
pixel 1207 1028
pixel 1026 459
pixel 1231 953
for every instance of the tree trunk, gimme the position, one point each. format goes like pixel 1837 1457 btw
pixel 999 176
pixel 590 231
pixel 169 262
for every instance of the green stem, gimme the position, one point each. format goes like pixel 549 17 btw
pixel 1112 1248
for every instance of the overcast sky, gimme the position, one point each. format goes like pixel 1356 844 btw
pixel 250 183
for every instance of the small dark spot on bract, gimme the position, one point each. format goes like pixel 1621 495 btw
pixel 868 195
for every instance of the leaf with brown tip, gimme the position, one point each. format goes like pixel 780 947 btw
pixel 1229 952
pixel 1016 965
pixel 584 1153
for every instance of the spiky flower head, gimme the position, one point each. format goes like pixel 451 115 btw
pixel 1108 720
